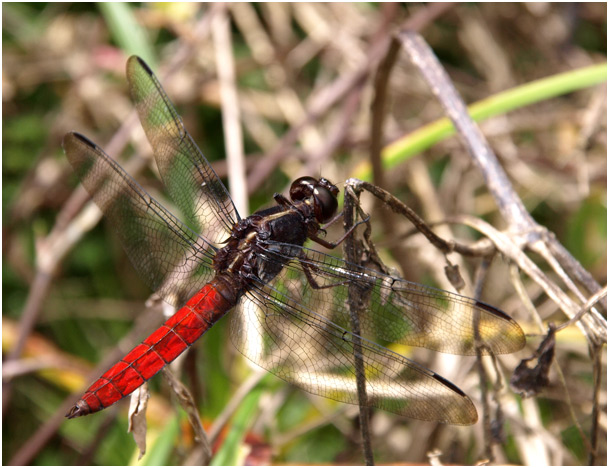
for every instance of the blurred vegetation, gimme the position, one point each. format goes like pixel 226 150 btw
pixel 63 69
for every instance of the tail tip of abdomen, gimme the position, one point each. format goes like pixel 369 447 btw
pixel 81 408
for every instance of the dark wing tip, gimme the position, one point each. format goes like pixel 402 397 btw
pixel 136 59
pixel 78 136
pixel 517 337
pixel 450 385
pixel 81 408
pixel 493 310
pixel 466 414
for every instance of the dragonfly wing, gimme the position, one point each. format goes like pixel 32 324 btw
pixel 397 310
pixel 304 348
pixel 190 180
pixel 164 251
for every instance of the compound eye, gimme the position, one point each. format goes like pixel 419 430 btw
pixel 329 185
pixel 325 204
pixel 302 188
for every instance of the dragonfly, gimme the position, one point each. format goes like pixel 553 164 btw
pixel 289 303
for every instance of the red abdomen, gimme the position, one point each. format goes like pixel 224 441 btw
pixel 164 345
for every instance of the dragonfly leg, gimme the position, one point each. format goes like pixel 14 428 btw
pixel 282 200
pixel 336 243
pixel 333 220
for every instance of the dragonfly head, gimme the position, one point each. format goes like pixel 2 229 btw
pixel 321 194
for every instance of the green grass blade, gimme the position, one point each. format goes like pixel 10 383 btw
pixel 126 31
pixel 515 98
pixel 228 455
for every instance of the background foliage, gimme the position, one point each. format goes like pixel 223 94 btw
pixel 71 300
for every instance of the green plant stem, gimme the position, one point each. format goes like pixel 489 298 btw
pixel 515 98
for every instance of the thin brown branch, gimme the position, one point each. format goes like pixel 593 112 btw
pixel 495 177
pixel 511 207
pixel 188 405
pixel 591 323
pixel 358 301
pixel 397 206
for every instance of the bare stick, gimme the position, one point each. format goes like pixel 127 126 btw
pixel 508 202
pixel 188 404
pixel 398 207
pixel 495 177
pixel 358 300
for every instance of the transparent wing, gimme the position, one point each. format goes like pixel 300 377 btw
pixel 190 180
pixel 304 348
pixel 172 259
pixel 397 310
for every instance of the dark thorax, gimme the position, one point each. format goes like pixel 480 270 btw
pixel 248 253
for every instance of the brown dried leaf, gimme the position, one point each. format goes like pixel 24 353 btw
pixel 530 381
pixel 137 417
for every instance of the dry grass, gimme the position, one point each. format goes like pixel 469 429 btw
pixel 310 100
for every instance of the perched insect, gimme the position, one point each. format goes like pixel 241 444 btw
pixel 290 302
